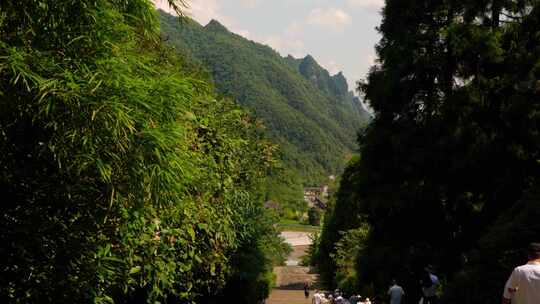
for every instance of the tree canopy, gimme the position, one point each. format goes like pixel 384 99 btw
pixel 453 147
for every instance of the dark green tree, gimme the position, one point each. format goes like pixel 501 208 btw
pixel 314 216
pixel 454 142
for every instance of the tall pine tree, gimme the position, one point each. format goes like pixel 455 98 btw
pixel 454 143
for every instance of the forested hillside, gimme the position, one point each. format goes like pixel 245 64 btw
pixel 310 114
pixel 450 166
pixel 124 177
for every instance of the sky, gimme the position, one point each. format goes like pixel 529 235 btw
pixel 339 34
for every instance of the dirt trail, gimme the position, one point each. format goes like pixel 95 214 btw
pixel 290 279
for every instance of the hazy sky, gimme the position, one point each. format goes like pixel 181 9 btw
pixel 340 34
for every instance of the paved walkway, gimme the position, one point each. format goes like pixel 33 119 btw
pixel 290 279
pixel 295 258
pixel 281 296
pixel 296 238
pixel 294 277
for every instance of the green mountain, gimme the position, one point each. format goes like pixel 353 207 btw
pixel 311 115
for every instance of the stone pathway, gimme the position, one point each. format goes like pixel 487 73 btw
pixel 295 258
pixel 297 238
pixel 281 296
pixel 294 277
pixel 290 279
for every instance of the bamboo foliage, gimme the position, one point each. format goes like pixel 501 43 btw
pixel 121 173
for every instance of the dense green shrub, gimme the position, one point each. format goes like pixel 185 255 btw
pixel 122 175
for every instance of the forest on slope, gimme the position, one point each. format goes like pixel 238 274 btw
pixel 124 177
pixel 311 115
pixel 449 171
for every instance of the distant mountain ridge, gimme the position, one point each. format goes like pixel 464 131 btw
pixel 334 86
pixel 312 115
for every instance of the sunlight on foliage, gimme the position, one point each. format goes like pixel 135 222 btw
pixel 123 175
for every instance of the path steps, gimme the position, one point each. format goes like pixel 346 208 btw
pixel 294 277
pixel 290 279
pixel 290 285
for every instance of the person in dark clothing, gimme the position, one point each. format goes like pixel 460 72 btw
pixel 430 284
pixel 306 290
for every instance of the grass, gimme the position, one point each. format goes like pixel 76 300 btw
pixel 291 225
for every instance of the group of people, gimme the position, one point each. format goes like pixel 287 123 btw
pixel 522 287
pixel 338 298
pixel 430 284
pixel 395 294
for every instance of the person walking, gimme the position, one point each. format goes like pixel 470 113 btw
pixel 354 299
pixel 430 285
pixel 523 286
pixel 317 299
pixel 396 293
pixel 306 290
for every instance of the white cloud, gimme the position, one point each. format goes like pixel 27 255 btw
pixel 353 83
pixel 244 33
pixel 332 67
pixel 202 10
pixel 250 3
pixel 205 10
pixel 294 29
pixel 164 5
pixel 294 32
pixel 369 59
pixel 289 42
pixel 333 18
pixel 366 4
pixel 285 45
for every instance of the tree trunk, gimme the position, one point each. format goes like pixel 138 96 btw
pixel 496 9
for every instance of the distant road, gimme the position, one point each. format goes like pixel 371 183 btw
pixel 297 238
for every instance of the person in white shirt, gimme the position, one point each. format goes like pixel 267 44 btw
pixel 316 298
pixel 523 286
pixel 396 293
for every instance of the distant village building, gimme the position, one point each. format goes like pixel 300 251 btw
pixel 316 196
pixel 320 204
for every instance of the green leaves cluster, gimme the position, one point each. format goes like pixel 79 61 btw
pixel 452 150
pixel 123 176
